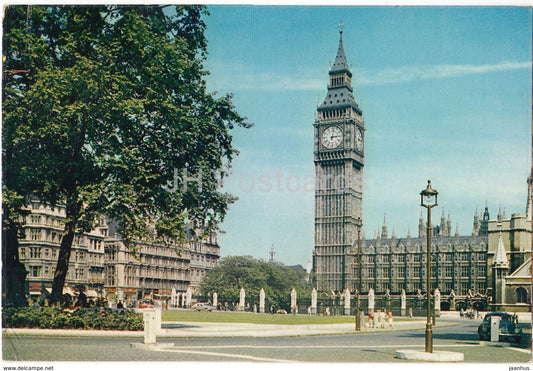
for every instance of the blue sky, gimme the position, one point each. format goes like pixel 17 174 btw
pixel 445 94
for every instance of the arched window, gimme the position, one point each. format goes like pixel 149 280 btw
pixel 521 295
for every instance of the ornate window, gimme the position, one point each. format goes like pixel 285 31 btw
pixel 521 295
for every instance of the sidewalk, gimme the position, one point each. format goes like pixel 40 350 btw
pixel 216 329
pixel 219 329
pixel 523 317
pixel 203 329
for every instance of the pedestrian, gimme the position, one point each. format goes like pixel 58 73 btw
pixel 327 311
pixel 461 313
pixel 410 312
pixel 370 320
pixel 390 320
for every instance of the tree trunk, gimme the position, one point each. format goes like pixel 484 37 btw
pixel 13 271
pixel 72 216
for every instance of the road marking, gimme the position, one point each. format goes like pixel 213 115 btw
pixel 261 359
pixel 189 349
pixel 320 346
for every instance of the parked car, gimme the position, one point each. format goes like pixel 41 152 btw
pixel 145 303
pixel 509 329
pixel 202 307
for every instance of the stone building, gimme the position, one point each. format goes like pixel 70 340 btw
pixel 509 258
pixel 39 248
pixel 155 270
pixel 339 160
pixel 394 264
pixel 102 266
pixel 461 265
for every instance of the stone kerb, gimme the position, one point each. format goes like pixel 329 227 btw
pixel 437 356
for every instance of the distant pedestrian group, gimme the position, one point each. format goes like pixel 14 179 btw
pixel 377 320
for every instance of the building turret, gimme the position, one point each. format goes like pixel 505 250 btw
pixel 384 233
pixel 421 226
pixel 500 266
pixel 477 226
pixel 449 225
pixel 484 225
pixel 443 231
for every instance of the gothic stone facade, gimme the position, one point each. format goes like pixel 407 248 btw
pixel 510 268
pixel 339 160
pixel 396 264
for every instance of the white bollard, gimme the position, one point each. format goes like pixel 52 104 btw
pixel 495 328
pixel 150 329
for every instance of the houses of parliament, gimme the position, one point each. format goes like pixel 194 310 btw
pixel 464 266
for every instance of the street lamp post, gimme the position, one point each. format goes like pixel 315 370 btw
pixel 428 199
pixel 358 293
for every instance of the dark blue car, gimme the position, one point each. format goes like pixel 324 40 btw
pixel 509 329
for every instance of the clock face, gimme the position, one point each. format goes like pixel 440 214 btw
pixel 332 137
pixel 359 139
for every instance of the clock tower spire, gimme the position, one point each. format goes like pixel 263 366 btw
pixel 339 160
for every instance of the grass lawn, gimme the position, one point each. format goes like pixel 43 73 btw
pixel 246 317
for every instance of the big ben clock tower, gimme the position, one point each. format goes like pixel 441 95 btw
pixel 339 160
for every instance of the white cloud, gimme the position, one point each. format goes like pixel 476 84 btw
pixel 406 74
pixel 244 78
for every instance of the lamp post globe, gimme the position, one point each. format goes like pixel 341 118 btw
pixel 428 196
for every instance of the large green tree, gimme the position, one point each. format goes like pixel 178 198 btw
pixel 104 109
pixel 233 273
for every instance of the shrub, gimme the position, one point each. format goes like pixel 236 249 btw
pixel 46 322
pixel 60 322
pixel 75 322
pixel 77 319
pixel 19 320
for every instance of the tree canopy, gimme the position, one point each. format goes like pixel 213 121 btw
pixel 102 107
pixel 233 273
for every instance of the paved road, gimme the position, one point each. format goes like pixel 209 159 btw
pixel 460 336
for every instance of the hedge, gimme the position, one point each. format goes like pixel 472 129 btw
pixel 85 319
